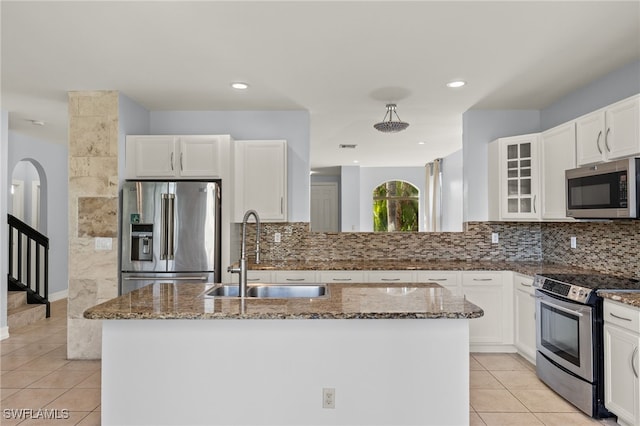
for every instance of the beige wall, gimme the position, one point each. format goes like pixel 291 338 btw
pixel 93 212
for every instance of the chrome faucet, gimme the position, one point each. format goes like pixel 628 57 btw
pixel 241 269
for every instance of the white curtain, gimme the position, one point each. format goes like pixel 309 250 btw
pixel 433 196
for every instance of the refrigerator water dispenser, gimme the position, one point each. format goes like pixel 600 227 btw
pixel 142 241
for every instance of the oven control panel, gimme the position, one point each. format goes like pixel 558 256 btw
pixel 572 292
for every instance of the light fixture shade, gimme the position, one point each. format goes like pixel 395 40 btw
pixel 391 126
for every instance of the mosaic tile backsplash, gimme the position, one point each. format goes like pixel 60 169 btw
pixel 611 247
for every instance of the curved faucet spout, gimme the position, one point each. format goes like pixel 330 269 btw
pixel 242 267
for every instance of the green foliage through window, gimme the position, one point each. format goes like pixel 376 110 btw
pixel 395 207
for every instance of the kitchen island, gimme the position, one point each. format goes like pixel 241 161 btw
pixel 387 354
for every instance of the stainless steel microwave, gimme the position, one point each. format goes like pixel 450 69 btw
pixel 604 191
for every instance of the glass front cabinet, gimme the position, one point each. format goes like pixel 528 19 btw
pixel 514 178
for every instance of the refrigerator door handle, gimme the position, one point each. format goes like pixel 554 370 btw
pixel 170 226
pixel 163 227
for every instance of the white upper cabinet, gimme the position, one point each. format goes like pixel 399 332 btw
pixel 158 156
pixel 609 133
pixel 260 179
pixel 557 153
pixel 514 178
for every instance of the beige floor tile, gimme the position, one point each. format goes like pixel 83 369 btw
pixel 6 348
pixel 567 419
pixel 78 400
pixel 82 366
pixel 21 379
pixel 10 362
pixel 519 379
pixel 93 419
pixel 495 400
pixel 510 419
pixel 36 349
pixel 475 365
pixel 475 420
pixel 57 418
pixel 483 380
pixel 44 363
pixel 94 381
pixel 543 401
pixel 60 379
pixel 60 353
pixel 5 392
pixel 55 338
pixel 499 362
pixel 32 398
pixel 525 362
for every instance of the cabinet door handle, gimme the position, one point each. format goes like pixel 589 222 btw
pixel 181 168
pixel 172 161
pixel 616 316
pixel 281 205
pixel 390 279
pixel 606 139
pixel 525 285
pixel 598 141
pixel 633 365
pixel 534 203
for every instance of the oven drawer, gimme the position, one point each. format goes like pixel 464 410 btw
pixel 622 315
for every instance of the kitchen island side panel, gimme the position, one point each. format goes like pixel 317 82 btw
pixel 270 372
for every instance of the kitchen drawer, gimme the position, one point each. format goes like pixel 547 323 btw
pixel 294 277
pixel 444 278
pixel 341 276
pixel 523 283
pixel 622 315
pixel 481 277
pixel 258 276
pixel 390 276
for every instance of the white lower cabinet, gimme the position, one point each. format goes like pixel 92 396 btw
pixel 447 279
pixel 525 316
pixel 493 292
pixel 621 342
pixel 293 277
pixel 259 276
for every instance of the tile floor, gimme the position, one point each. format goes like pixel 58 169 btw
pixel 36 374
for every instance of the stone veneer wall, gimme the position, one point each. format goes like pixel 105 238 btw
pixel 93 212
pixel 610 247
pixel 518 242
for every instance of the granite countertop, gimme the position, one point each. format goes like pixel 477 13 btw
pixel 525 268
pixel 631 298
pixel 345 301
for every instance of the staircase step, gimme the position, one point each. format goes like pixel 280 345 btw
pixel 25 315
pixel 16 299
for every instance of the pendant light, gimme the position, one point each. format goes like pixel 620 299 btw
pixel 390 126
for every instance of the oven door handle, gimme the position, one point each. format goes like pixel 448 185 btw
pixel 560 308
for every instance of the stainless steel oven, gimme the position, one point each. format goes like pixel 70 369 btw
pixel 565 334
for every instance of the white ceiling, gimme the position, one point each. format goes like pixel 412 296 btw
pixel 341 61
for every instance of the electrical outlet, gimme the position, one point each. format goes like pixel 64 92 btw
pixel 277 237
pixel 494 238
pixel 328 398
pixel 103 244
pixel 574 242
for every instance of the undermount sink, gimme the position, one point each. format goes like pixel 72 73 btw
pixel 271 291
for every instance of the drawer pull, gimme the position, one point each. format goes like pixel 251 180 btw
pixel 437 279
pixel 253 279
pixel 341 279
pixel 483 279
pixel 633 365
pixel 391 279
pixel 295 279
pixel 616 316
pixel 525 285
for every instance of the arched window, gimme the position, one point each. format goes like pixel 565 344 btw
pixel 395 207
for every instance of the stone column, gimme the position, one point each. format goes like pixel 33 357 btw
pixel 93 213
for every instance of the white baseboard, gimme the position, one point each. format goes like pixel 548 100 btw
pixel 59 295
pixel 4 332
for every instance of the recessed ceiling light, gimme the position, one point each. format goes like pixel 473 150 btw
pixel 355 161
pixel 456 83
pixel 239 85
pixel 421 143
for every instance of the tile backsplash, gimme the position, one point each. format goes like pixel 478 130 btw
pixel 611 247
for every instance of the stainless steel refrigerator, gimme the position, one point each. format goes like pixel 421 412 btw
pixel 170 233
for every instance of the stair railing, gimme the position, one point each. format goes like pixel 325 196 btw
pixel 27 275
